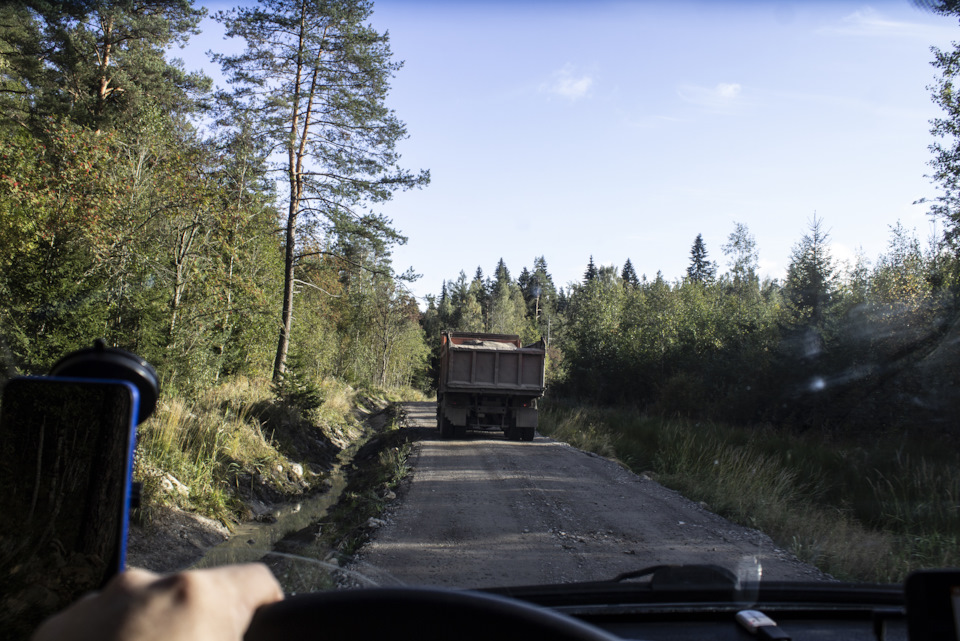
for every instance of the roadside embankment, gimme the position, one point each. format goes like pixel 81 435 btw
pixel 239 457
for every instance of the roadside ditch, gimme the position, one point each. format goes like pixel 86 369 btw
pixel 323 523
pixel 317 556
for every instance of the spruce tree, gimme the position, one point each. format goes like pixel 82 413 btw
pixel 543 277
pixel 701 270
pixel 540 292
pixel 811 277
pixel 526 282
pixel 629 275
pixel 591 273
pixel 501 274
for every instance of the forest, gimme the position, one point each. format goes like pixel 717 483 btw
pixel 234 231
pixel 191 226
pixel 858 347
pixel 819 408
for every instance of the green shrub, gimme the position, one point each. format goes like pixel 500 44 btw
pixel 299 390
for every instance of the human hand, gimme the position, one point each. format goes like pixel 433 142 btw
pixel 138 605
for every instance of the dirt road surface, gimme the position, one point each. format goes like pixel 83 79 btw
pixel 485 512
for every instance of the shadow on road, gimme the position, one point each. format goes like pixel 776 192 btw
pixel 421 419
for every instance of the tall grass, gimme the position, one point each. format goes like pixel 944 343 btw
pixel 195 451
pixel 869 509
pixel 202 444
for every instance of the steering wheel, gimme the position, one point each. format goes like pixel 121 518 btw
pixel 424 614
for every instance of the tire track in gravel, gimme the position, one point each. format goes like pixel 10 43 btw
pixel 485 512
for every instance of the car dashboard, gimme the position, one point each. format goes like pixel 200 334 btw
pixel 654 612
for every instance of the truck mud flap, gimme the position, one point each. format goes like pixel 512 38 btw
pixel 526 417
pixel 456 415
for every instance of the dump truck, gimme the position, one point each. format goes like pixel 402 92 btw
pixel 489 382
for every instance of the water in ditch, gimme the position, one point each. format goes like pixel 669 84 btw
pixel 252 541
pixel 312 567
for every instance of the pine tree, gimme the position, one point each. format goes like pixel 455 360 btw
pixel 318 76
pixel 103 64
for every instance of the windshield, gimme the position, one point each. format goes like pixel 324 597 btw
pixel 503 293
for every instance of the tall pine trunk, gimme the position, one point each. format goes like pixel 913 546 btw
pixel 286 319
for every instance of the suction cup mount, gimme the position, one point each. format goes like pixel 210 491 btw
pixel 114 363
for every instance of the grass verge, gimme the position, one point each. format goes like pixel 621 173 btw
pixel 244 441
pixel 860 509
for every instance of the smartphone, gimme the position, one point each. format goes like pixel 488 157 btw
pixel 66 459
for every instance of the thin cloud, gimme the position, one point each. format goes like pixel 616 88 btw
pixel 869 22
pixel 728 91
pixel 720 97
pixel 568 83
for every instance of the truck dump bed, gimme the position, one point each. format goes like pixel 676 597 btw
pixel 490 362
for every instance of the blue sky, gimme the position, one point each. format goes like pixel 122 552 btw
pixel 623 129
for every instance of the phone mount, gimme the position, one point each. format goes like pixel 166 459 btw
pixel 113 363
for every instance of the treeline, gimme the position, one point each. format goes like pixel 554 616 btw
pixel 830 344
pixel 528 306
pixel 501 305
pixel 140 205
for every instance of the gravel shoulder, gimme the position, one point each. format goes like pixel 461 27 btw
pixel 486 512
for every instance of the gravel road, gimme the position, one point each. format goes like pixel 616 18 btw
pixel 486 512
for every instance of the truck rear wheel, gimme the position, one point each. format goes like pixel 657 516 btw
pixel 527 433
